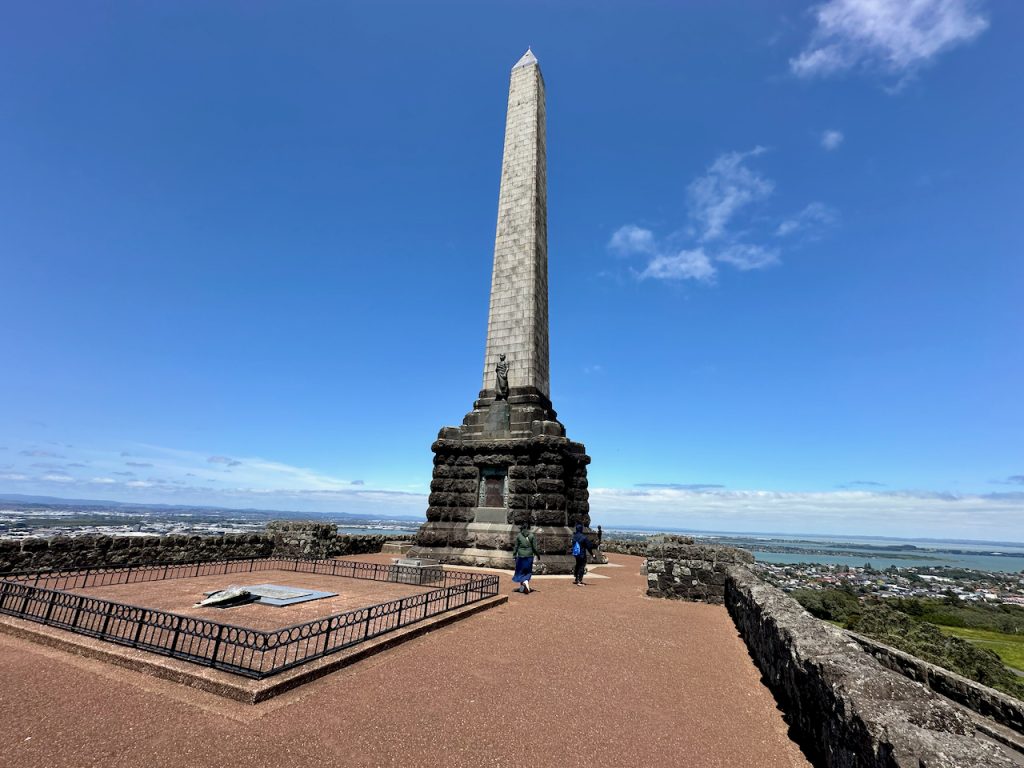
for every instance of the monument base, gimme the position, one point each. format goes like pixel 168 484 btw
pixel 483 490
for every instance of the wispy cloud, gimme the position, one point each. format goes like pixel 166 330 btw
pixel 631 239
pixel 221 460
pixel 41 454
pixel 728 186
pixel 746 256
pixel 721 227
pixel 1011 480
pixel 811 221
pixel 681 486
pixel 140 463
pixel 831 139
pixel 892 36
pixel 684 265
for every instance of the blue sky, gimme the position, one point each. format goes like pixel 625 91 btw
pixel 245 253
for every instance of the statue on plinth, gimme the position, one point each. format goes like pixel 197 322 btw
pixel 501 379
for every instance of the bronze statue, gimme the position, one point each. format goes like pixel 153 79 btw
pixel 501 379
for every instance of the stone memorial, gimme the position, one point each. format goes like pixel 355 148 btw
pixel 510 462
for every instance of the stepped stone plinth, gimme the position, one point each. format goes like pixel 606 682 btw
pixel 510 462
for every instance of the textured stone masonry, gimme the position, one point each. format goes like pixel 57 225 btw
pixel 846 710
pixel 518 438
pixel 285 538
pixel 680 569
pixel 517 323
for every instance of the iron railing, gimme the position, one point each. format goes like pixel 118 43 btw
pixel 254 653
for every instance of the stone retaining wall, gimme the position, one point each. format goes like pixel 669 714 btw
pixel 988 702
pixel 321 540
pixel 287 538
pixel 635 547
pixel 845 708
pixel 679 569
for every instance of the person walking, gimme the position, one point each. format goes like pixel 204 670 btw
pixel 581 547
pixel 524 550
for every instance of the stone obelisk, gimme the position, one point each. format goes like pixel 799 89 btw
pixel 510 463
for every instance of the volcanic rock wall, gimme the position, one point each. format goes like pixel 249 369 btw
pixel 284 538
pixel 845 708
pixel 680 569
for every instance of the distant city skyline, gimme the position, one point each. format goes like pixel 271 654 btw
pixel 246 256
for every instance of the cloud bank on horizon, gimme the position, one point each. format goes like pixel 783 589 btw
pixel 174 476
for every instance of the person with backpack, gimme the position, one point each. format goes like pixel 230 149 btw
pixel 524 550
pixel 581 546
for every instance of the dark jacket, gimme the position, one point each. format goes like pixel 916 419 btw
pixel 526 545
pixel 585 545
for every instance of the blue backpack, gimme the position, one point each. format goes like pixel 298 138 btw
pixel 576 550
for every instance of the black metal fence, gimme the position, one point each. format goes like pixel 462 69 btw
pixel 41 597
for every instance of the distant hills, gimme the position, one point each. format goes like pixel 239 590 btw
pixel 56 501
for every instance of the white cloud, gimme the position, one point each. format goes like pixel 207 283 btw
pixel 831 139
pixel 837 512
pixel 744 256
pixel 104 481
pixel 685 265
pixel 56 478
pixel 722 192
pixel 810 220
pixel 721 224
pixel 896 36
pixel 630 240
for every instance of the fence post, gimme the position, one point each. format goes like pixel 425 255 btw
pixel 106 619
pixel 78 611
pixel 49 608
pixel 24 603
pixel 366 628
pixel 216 644
pixel 177 631
pixel 138 629
pixel 3 593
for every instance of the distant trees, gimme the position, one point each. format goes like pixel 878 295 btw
pixel 926 641
pixel 839 605
pixel 910 625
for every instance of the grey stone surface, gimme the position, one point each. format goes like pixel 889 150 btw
pixel 497 423
pixel 988 702
pixel 680 569
pixel 845 709
pixel 517 323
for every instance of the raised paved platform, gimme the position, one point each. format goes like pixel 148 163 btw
pixel 638 681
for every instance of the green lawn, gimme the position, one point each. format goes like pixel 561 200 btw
pixel 1009 647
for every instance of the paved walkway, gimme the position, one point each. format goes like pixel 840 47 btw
pixel 568 676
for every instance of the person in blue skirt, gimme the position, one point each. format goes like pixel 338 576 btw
pixel 524 550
